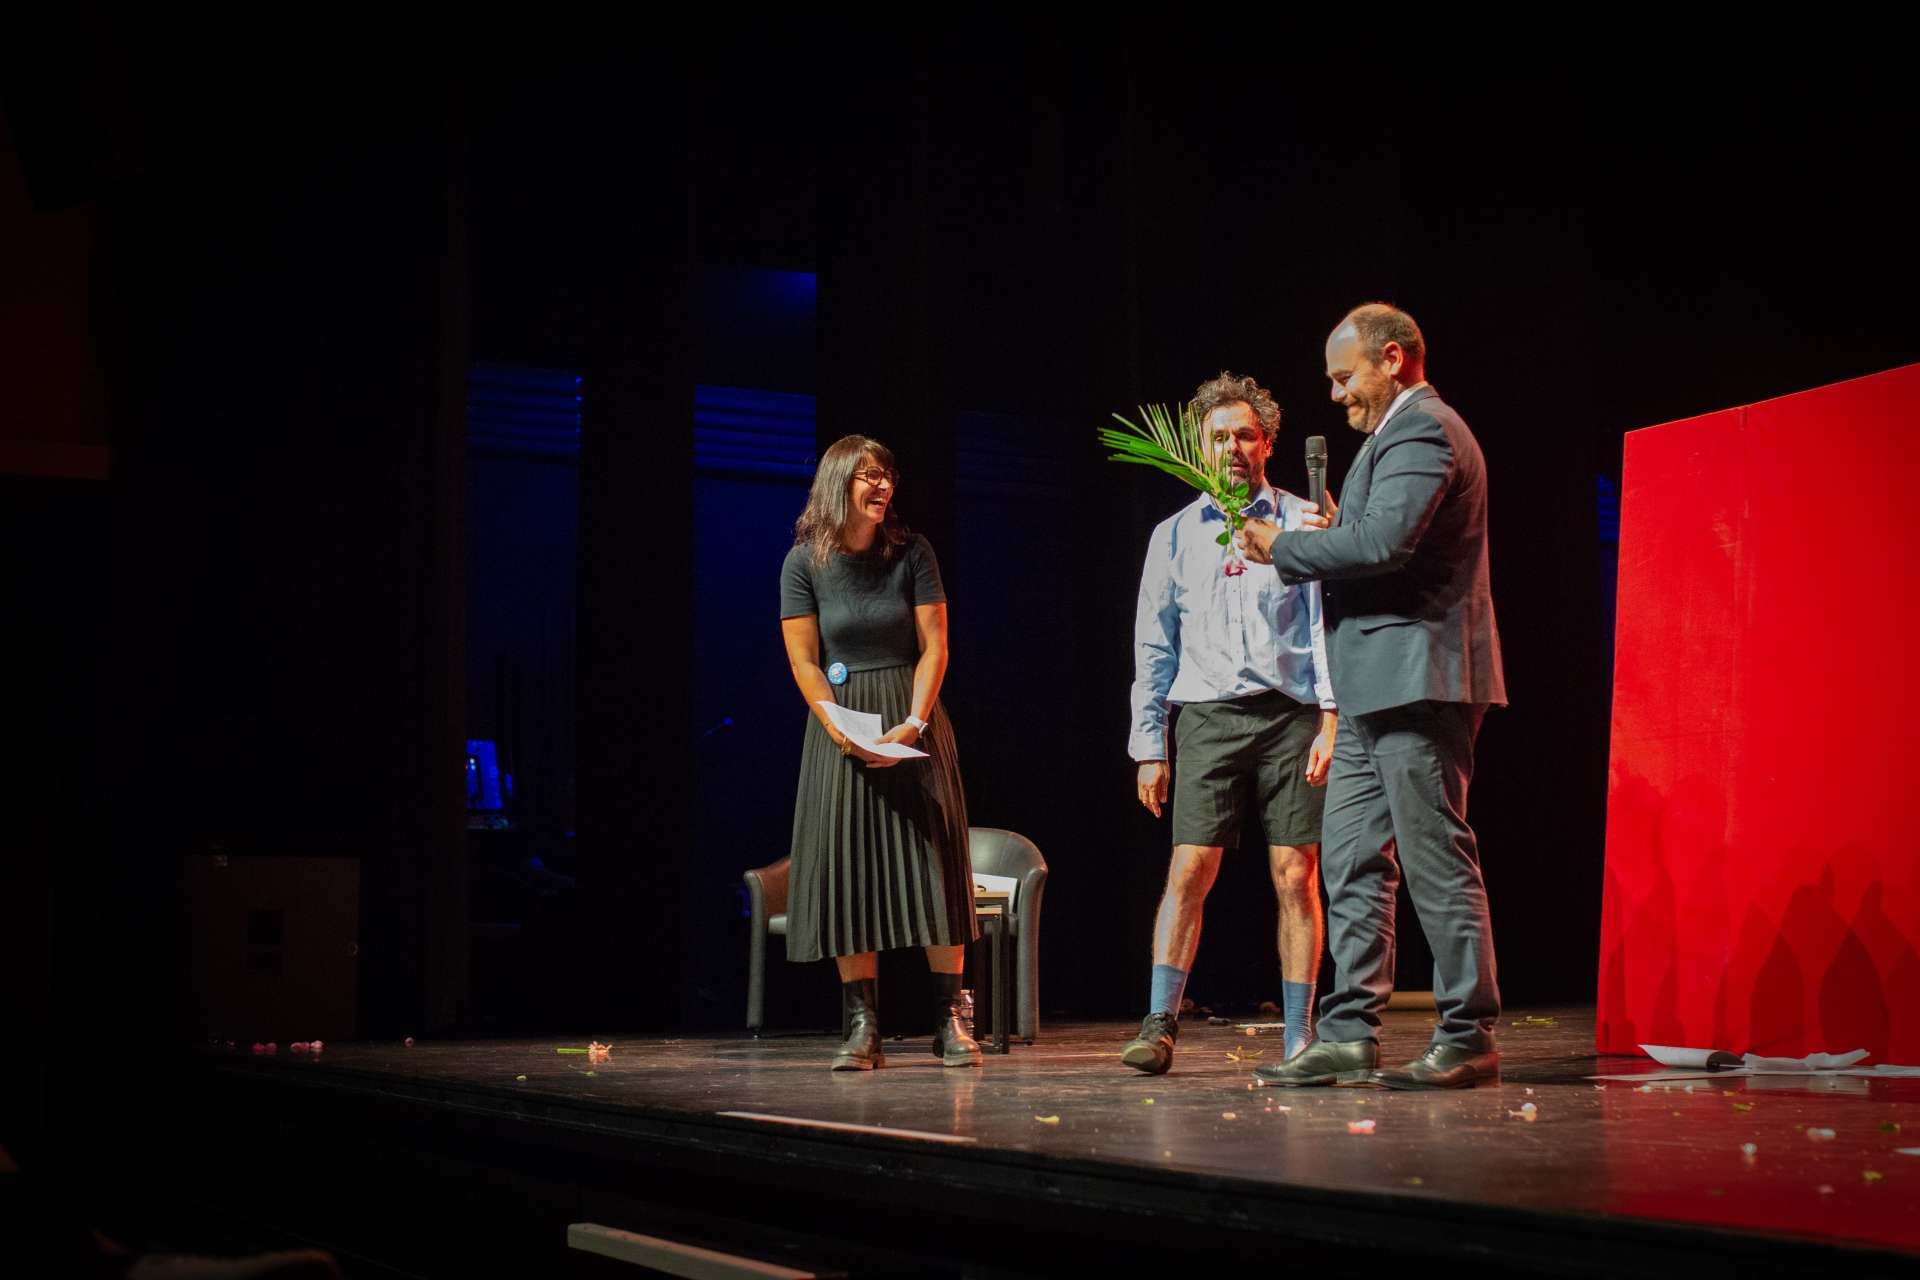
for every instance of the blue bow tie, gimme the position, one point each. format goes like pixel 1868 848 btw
pixel 1260 510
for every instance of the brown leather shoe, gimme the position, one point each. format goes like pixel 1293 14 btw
pixel 1442 1066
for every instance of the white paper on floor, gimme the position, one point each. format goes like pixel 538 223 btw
pixel 1693 1064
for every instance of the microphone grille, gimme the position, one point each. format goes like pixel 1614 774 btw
pixel 1317 448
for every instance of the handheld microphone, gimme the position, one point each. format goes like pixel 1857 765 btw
pixel 1317 471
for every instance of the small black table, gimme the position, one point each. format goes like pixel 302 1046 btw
pixel 990 909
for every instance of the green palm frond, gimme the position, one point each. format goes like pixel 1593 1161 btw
pixel 1170 441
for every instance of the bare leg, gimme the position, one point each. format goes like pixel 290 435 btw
pixel 1176 928
pixel 1176 937
pixel 947 959
pixel 1301 932
pixel 864 964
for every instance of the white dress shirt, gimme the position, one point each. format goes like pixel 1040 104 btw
pixel 1202 636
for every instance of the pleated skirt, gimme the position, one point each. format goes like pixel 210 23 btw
pixel 879 855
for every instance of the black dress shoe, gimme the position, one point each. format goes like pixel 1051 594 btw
pixel 1442 1066
pixel 861 1051
pixel 1152 1050
pixel 951 1042
pixel 1343 1062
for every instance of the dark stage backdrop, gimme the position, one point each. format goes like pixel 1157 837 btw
pixel 1014 225
pixel 1056 218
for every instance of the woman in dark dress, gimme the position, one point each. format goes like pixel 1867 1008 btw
pixel 879 843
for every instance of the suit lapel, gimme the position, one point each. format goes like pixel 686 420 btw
pixel 1353 489
pixel 1359 482
pixel 1422 393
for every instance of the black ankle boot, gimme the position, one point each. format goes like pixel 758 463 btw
pixel 951 1043
pixel 861 1052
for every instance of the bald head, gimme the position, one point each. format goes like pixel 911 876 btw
pixel 1375 353
pixel 1378 323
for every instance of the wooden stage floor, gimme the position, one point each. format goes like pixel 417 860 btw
pixel 1598 1177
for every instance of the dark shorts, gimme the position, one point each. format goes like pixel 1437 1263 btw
pixel 1241 756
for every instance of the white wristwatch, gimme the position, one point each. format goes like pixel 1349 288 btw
pixel 919 725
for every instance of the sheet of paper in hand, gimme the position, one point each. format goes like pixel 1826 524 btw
pixel 865 729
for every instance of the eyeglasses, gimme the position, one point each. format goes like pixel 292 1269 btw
pixel 877 476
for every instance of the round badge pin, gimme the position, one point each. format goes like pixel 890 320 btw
pixel 837 673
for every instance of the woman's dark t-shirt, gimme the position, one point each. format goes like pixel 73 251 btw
pixel 864 602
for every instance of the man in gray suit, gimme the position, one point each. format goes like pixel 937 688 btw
pixel 1415 660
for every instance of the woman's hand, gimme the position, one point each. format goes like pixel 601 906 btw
pixel 905 734
pixel 851 748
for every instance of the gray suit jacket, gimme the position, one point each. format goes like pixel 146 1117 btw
pixel 1406 593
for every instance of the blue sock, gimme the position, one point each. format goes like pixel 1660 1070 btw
pixel 1297 999
pixel 1169 984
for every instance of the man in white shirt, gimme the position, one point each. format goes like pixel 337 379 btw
pixel 1243 655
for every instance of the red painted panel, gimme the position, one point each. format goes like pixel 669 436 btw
pixel 1763 874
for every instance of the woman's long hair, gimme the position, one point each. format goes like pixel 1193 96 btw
pixel 824 523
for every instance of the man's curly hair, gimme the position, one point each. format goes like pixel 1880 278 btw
pixel 1231 388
